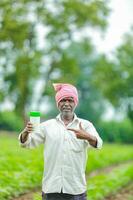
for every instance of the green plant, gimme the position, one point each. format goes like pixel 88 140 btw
pixel 10 121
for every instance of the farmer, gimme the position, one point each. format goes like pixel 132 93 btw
pixel 66 139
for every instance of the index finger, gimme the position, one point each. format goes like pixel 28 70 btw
pixel 72 129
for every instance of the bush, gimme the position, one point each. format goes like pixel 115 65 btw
pixel 116 131
pixel 10 121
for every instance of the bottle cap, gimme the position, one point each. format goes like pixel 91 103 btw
pixel 34 114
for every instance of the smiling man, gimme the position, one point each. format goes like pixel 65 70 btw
pixel 66 139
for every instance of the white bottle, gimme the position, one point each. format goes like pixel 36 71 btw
pixel 35 120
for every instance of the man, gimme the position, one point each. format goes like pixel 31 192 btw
pixel 66 139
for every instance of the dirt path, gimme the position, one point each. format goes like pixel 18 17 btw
pixel 29 196
pixel 121 195
pixel 125 193
pixel 107 169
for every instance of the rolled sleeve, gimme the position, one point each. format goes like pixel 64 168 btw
pixel 92 131
pixel 99 143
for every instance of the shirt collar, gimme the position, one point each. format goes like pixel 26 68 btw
pixel 58 117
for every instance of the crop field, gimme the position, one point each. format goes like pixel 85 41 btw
pixel 21 170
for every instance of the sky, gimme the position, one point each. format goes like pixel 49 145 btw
pixel 119 22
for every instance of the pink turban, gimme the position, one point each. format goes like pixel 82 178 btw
pixel 65 90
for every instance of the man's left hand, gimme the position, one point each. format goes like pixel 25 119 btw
pixel 80 133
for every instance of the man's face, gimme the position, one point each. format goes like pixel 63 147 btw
pixel 66 105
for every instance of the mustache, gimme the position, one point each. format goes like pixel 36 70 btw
pixel 68 107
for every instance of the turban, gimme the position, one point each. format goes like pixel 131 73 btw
pixel 64 90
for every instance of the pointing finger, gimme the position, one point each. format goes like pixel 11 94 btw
pixel 72 129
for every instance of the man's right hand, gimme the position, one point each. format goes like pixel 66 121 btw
pixel 28 129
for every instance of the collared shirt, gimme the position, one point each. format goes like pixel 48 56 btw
pixel 65 155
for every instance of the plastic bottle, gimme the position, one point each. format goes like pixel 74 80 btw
pixel 35 120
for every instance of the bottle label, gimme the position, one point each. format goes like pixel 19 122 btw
pixel 35 121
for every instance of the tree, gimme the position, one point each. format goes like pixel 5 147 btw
pixel 115 78
pixel 23 60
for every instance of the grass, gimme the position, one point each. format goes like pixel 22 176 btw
pixel 110 154
pixel 22 169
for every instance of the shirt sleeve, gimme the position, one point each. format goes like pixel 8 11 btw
pixel 92 131
pixel 34 138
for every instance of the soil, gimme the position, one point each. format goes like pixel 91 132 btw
pixel 125 193
pixel 29 196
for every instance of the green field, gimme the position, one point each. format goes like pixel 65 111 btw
pixel 21 169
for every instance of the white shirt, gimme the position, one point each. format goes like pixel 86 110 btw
pixel 65 155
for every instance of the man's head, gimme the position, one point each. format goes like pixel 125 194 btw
pixel 66 97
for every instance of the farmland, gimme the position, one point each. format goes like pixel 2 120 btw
pixel 21 169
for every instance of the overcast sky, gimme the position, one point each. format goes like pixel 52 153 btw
pixel 120 21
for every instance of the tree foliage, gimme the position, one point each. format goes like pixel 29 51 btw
pixel 115 78
pixel 22 58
